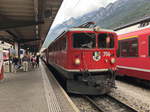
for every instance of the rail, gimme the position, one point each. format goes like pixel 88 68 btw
pixel 103 108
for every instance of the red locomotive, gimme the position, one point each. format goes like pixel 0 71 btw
pixel 86 59
pixel 134 50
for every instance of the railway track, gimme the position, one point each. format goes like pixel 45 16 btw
pixel 109 104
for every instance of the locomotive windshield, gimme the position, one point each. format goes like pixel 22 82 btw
pixel 105 40
pixel 84 40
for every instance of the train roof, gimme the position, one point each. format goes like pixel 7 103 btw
pixel 91 29
pixel 84 29
pixel 133 23
pixel 134 34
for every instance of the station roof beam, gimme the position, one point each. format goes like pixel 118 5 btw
pixel 27 21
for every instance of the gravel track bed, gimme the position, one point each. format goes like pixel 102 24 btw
pixel 110 105
pixel 82 104
pixel 136 97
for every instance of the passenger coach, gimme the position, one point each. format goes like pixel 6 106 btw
pixel 134 50
pixel 86 59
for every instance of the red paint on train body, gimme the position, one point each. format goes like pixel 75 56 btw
pixel 85 55
pixel 134 54
pixel 66 58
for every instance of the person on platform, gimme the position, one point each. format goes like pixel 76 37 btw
pixel 25 61
pixel 37 60
pixel 33 61
pixel 15 61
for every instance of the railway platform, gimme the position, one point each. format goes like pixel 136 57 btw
pixel 33 91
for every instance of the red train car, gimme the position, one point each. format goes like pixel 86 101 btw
pixel 134 50
pixel 85 58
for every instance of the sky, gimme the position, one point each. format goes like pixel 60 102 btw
pixel 73 8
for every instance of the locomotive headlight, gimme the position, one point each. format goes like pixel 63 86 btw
pixel 113 60
pixel 77 61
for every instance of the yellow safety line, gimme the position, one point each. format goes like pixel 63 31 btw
pixel 128 37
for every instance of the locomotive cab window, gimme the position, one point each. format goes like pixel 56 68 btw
pixel 105 40
pixel 84 40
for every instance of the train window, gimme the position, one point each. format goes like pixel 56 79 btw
pixel 105 40
pixel 129 47
pixel 56 45
pixel 60 44
pixel 133 48
pixel 84 40
pixel 118 50
pixel 51 48
pixel 63 43
pixel 144 24
pixel 123 49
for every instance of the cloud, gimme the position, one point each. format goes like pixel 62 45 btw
pixel 75 8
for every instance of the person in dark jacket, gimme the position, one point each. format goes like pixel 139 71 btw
pixel 15 61
pixel 37 60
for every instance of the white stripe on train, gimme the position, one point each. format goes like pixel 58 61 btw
pixel 133 68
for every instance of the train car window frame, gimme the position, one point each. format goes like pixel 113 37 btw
pixel 51 49
pixel 86 45
pixel 119 49
pixel 64 38
pixel 66 42
pixel 111 38
pixel 57 44
pixel 126 47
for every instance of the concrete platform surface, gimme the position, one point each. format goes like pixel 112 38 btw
pixel 23 92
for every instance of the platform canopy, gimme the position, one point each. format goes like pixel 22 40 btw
pixel 27 21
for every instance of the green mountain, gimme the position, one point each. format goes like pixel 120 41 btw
pixel 122 12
